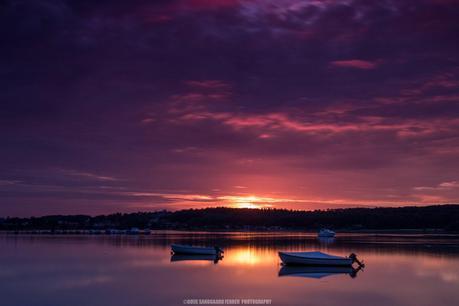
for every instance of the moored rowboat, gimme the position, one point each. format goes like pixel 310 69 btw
pixel 188 249
pixel 314 259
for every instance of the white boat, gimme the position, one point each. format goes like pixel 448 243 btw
pixel 188 249
pixel 314 259
pixel 326 233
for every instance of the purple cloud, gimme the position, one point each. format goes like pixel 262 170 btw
pixel 355 63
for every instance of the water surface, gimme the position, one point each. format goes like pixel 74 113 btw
pixel 139 270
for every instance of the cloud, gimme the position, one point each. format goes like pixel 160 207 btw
pixel 8 182
pixel 449 185
pixel 170 196
pixel 441 186
pixel 210 4
pixel 356 64
pixel 200 92
pixel 209 84
pixel 445 192
pixel 320 124
pixel 87 175
pixel 285 97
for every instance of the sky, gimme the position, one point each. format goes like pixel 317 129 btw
pixel 121 106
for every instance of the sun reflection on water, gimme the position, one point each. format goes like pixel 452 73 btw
pixel 249 257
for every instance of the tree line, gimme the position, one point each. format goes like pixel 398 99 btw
pixel 444 217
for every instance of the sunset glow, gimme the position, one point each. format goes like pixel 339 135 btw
pixel 244 256
pixel 151 105
pixel 229 152
pixel 249 201
pixel 246 205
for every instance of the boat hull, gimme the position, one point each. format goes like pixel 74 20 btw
pixel 186 249
pixel 195 257
pixel 291 259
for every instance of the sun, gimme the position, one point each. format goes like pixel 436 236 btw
pixel 247 202
pixel 247 205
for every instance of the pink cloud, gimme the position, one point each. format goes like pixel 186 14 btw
pixel 452 184
pixel 268 124
pixel 272 121
pixel 147 120
pixel 87 175
pixel 209 4
pixel 356 63
pixel 445 192
pixel 190 97
pixel 444 80
pixel 201 91
pixel 208 84
pixel 265 136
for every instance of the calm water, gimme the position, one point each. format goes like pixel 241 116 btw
pixel 139 270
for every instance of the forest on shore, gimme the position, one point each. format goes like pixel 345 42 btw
pixel 441 217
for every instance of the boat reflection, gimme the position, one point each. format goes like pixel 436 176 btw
pixel 317 271
pixel 196 257
pixel 326 240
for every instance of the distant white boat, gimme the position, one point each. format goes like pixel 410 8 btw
pixel 326 233
pixel 134 231
pixel 315 259
pixel 188 249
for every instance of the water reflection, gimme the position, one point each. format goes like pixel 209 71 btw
pixel 326 240
pixel 317 271
pixel 245 256
pixel 130 270
pixel 196 257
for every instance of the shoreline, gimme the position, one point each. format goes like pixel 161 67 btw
pixel 366 232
